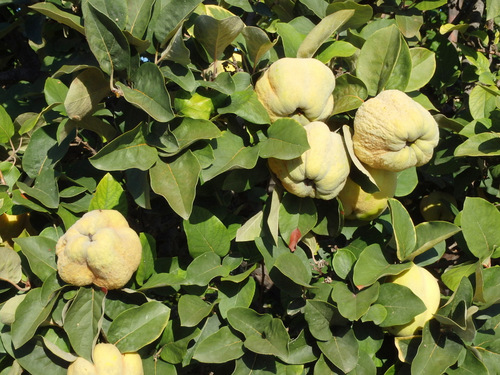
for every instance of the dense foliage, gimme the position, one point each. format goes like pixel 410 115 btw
pixel 148 107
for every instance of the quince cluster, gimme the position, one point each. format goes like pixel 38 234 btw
pixel 392 132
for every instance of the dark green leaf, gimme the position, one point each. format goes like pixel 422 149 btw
pixel 192 310
pixel 204 268
pixel 354 305
pixel 401 303
pixel 342 350
pixel 296 213
pixel 215 35
pixel 246 105
pixel 286 139
pixel 220 347
pixel 404 230
pixel 53 12
pixel 41 254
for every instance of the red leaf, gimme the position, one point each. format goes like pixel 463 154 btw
pixel 294 238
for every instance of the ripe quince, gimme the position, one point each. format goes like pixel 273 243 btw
pixel 297 87
pixel 320 172
pixel 99 248
pixel 423 284
pixel 436 206
pixel 360 205
pixel 108 361
pixel 394 132
pixel 11 226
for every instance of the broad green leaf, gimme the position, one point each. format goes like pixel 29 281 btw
pixel 163 280
pixel 437 352
pixel 320 315
pixel 138 326
pixel 176 50
pixel 115 10
pixel 423 67
pixel 176 181
pixel 317 6
pixel 10 268
pixel 30 313
pixel 354 305
pixel 109 195
pixel 322 367
pixel 139 13
pixel 229 153
pixel 204 268
pixel 301 350
pixel 220 347
pixel 41 254
pixel 146 267
pixel 491 289
pixel 429 234
pixel 452 276
pixel 409 24
pixel 343 261
pixel 215 35
pixel 362 13
pixel 272 339
pixel 44 190
pixel 35 359
pixel 129 150
pixel 480 220
pixel 407 182
pixel 206 233
pixel 492 9
pixel 482 100
pixel 293 268
pixel 168 17
pixel 322 31
pixel 235 294
pixel 55 91
pixel 248 321
pixel 291 38
pixel 83 320
pixel 106 41
pixel 296 213
pixel 372 264
pixel 483 144
pixel 149 93
pixel 471 364
pixel 61 16
pixel 404 230
pixel 342 350
pixel 247 105
pixel 85 92
pixel 251 229
pixel 384 61
pixel 257 43
pixel 192 310
pixel 95 124
pixel 191 130
pixel 255 364
pixel 401 304
pixel 338 48
pixel 349 93
pixel 286 139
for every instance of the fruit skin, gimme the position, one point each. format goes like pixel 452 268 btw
pixel 435 206
pixel 360 205
pixel 321 171
pixel 11 226
pixel 393 132
pixel 108 361
pixel 99 248
pixel 297 87
pixel 423 285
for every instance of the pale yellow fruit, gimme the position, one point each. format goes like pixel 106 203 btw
pixel 108 359
pixel 11 226
pixel 300 87
pixel 394 132
pixel 99 248
pixel 132 364
pixel 436 206
pixel 320 172
pixel 82 367
pixel 425 286
pixel 360 205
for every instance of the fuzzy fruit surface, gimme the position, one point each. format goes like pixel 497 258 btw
pixel 11 226
pixel 437 206
pixel 394 132
pixel 100 248
pixel 297 87
pixel 108 361
pixel 425 286
pixel 320 172
pixel 360 205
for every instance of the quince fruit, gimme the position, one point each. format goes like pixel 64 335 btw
pixel 394 132
pixel 297 87
pixel 320 172
pixel 108 361
pixel 423 285
pixel 100 248
pixel 360 205
pixel 436 206
pixel 11 226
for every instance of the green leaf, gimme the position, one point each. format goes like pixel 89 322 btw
pixel 423 67
pixel 44 190
pixel 437 352
pixel 83 321
pixel 349 93
pixel 215 35
pixel 246 104
pixel 176 181
pixel 407 182
pixel 320 315
pixel 482 100
pixel 453 275
pixel 251 229
pixel 296 213
pixel 384 61
pixel 109 195
pixel 483 144
pixel 129 150
pixel 343 261
pixel 248 321
pixel 55 91
pixel 471 364
pixel 149 93
pixel 272 339
pixel 291 38
pixel 322 31
pixel 106 41
pixel 30 313
pixel 139 326
pixel 230 153
pixel 235 294
pixel 40 252
pixel 293 268
pixel 35 358
pixel 404 230
pixel 192 310
pixel 317 6
pixel 220 347
pixel 168 17
pixel 53 12
pixel 286 139
pixel 492 9
pixel 204 268
pixel 206 233
pixel 338 48
pixel 146 267
pixel 191 130
pixel 429 234
pixel 354 305
pixel 10 268
pixel 362 13
pixel 257 43
pixel 342 350
pixel 139 13
pixel 372 265
pixel 401 304
pixel 85 92
pixel 480 220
